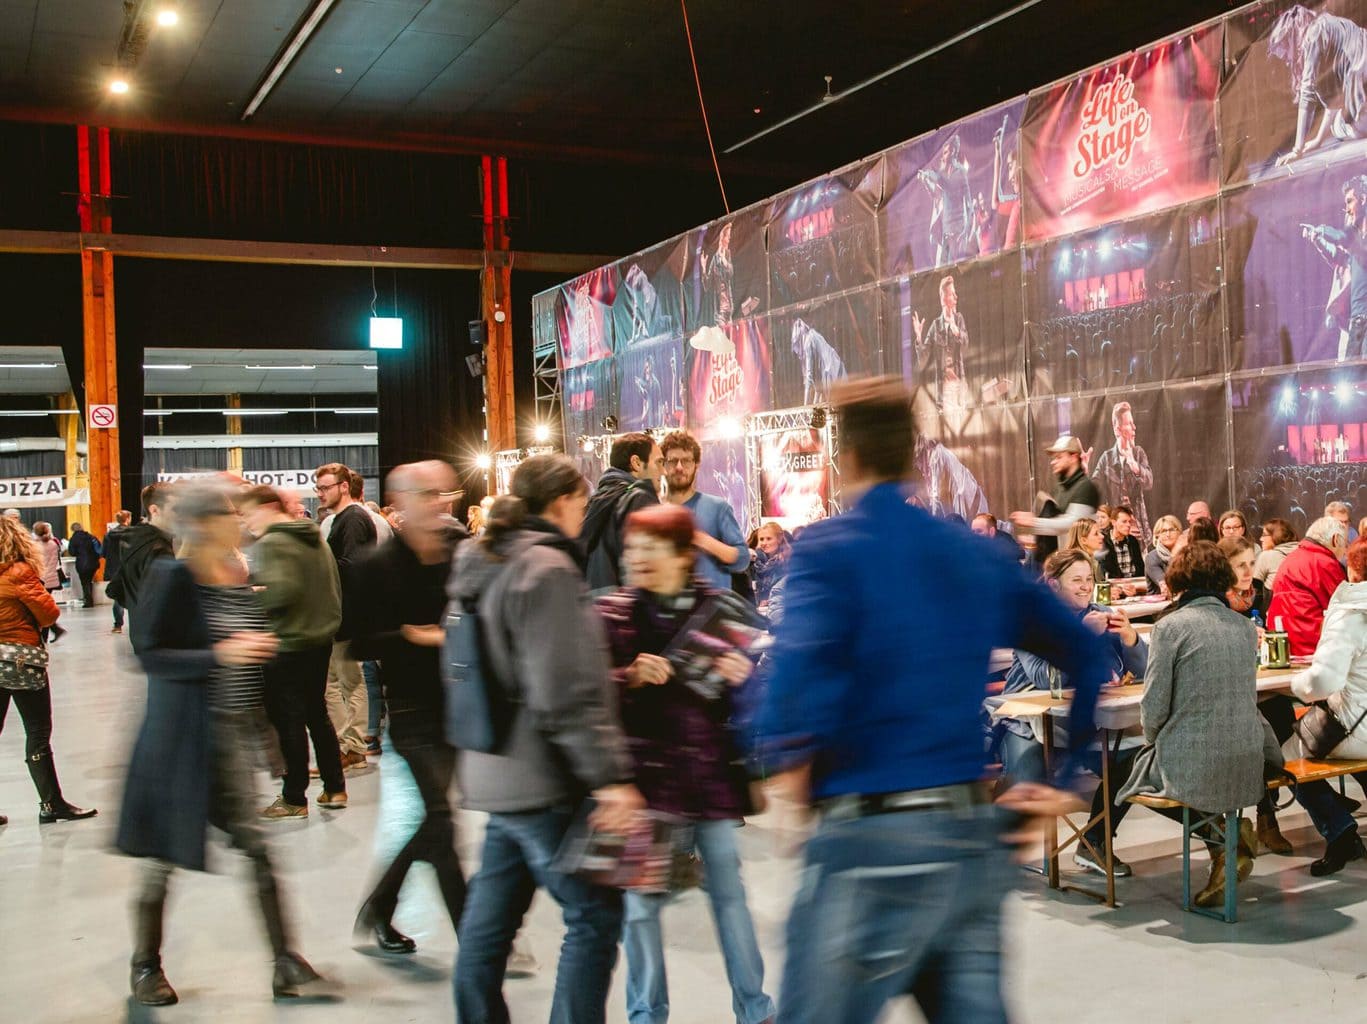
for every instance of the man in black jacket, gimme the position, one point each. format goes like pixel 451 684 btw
pixel 143 544
pixel 397 594
pixel 1124 558
pixel 86 550
pixel 632 482
pixel 1074 497
pixel 113 556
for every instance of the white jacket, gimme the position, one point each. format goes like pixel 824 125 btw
pixel 1339 670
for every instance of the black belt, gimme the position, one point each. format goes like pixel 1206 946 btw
pixel 959 797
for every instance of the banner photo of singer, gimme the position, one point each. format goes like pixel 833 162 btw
pixel 584 317
pixel 650 384
pixel 1300 442
pixel 731 380
pixel 822 237
pixel 817 345
pixel 726 275
pixel 649 300
pixel 721 471
pixel 953 194
pixel 1125 139
pixel 955 334
pixel 1295 91
pixel 794 476
pixel 1126 304
pixel 1155 449
pixel 972 463
pixel 590 395
pixel 1297 291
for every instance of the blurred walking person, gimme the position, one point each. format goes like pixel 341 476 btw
pixel 26 608
pixel 144 544
pixel 86 550
pixel 202 638
pixel 113 558
pixel 50 569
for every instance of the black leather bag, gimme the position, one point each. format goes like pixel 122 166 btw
pixel 1320 730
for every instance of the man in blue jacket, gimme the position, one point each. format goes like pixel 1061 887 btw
pixel 872 716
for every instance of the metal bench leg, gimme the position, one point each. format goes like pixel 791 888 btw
pixel 1232 866
pixel 1186 858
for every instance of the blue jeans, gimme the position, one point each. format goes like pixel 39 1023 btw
pixel 1023 761
pixel 899 904
pixel 1321 802
pixel 647 990
pixel 118 615
pixel 374 695
pixel 518 850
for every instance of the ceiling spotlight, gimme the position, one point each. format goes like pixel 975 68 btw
pixel 729 427
pixel 541 433
pixel 118 87
pixel 484 461
pixel 817 417
pixel 167 17
pixel 337 70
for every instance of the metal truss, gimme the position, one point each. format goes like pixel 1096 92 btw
pixel 779 421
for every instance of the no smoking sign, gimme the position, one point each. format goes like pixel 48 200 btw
pixel 103 417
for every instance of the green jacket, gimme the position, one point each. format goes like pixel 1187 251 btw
pixel 302 592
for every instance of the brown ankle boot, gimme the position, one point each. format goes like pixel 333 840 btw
pixel 1270 836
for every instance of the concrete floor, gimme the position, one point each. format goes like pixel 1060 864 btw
pixel 64 932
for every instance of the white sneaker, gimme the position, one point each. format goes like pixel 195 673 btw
pixel 1083 858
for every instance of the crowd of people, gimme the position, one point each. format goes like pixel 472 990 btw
pixel 645 665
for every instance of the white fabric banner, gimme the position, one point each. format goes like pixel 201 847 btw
pixel 41 492
pixel 292 479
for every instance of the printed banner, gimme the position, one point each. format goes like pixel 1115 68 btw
pixel 953 194
pixel 955 334
pixel 973 463
pixel 815 346
pixel 794 476
pixel 41 492
pixel 1155 450
pixel 1296 261
pixel 727 276
pixel 1131 137
pixel 649 301
pixel 730 378
pixel 1295 91
pixel 289 479
pixel 1126 304
pixel 588 398
pixel 721 471
pixel 585 317
pixel 822 237
pixel 1300 442
pixel 650 384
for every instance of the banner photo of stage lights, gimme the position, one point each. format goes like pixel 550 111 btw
pixel 972 463
pixel 1297 284
pixel 1294 96
pixel 1133 136
pixel 650 384
pixel 955 335
pixel 729 376
pixel 1300 442
pixel 818 345
pixel 588 397
pixel 794 477
pixel 726 271
pixel 822 237
pixel 1155 450
pixel 584 317
pixel 1126 304
pixel 649 302
pixel 953 194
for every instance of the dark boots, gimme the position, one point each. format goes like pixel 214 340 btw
pixel 146 979
pixel 294 976
pixel 1346 847
pixel 52 806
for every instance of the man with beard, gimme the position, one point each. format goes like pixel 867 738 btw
pixel 631 482
pixel 949 184
pixel 718 537
pixel 1074 497
pixel 1350 245
pixel 1124 469
pixel 942 347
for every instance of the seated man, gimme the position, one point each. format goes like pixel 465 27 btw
pixel 1123 557
pixel 1069 574
pixel 1305 583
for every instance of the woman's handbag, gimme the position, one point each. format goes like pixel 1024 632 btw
pixel 22 667
pixel 1320 730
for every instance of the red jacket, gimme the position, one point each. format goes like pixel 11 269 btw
pixel 25 604
pixel 1300 593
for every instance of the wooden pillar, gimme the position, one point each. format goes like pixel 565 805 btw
pixel 496 308
pixel 235 430
pixel 75 477
pixel 97 303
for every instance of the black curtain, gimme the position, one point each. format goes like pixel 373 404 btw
pixel 38 181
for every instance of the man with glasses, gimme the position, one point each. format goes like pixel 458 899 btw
pixel 631 482
pixel 718 537
pixel 352 534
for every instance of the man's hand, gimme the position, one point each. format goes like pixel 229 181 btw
pixel 423 636
pixel 1038 803
pixel 734 667
pixel 1024 520
pixel 616 808
pixel 649 670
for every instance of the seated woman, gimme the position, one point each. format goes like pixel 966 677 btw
pixel 772 549
pixel 1338 675
pixel 1233 524
pixel 1087 536
pixel 1204 739
pixel 684 753
pixel 1242 553
pixel 1069 574
pixel 1165 534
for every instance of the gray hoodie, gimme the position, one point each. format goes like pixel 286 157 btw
pixel 545 642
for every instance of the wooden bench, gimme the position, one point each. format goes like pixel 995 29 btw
pixel 1307 769
pixel 1230 834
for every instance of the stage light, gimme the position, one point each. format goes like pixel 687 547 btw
pixel 1287 402
pixel 541 433
pixel 1343 392
pixel 386 332
pixel 586 445
pixel 1065 258
pixel 1105 248
pixel 167 17
pixel 729 428
pixel 484 461
pixel 118 86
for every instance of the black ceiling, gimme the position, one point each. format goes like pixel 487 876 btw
pixel 570 76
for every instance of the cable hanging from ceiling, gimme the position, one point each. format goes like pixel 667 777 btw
pixel 702 105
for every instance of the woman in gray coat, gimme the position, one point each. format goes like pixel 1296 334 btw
pixel 1200 709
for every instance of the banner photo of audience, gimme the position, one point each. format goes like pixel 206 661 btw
pixel 726 275
pixel 650 384
pixel 649 300
pixel 819 344
pixel 588 397
pixel 729 375
pixel 1155 449
pixel 721 471
pixel 1297 281
pixel 1126 304
pixel 1300 442
pixel 968 465
pixel 1295 91
pixel 584 317
pixel 953 194
pixel 1125 139
pixel 955 334
pixel 794 477
pixel 822 237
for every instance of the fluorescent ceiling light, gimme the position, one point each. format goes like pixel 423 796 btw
pixel 299 367
pixel 353 412
pixel 291 51
pixel 369 367
pixel 253 412
pixel 28 366
pixel 167 366
pixel 159 412
pixel 39 412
